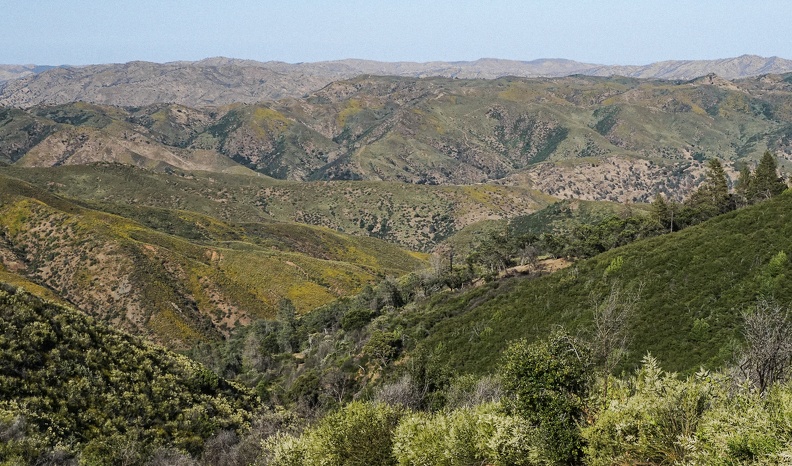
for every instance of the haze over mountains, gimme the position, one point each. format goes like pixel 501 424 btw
pixel 220 81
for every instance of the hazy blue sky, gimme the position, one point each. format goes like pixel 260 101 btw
pixel 608 32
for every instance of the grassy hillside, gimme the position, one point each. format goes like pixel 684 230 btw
pixel 178 276
pixel 414 216
pixel 81 133
pixel 441 130
pixel 693 283
pixel 68 383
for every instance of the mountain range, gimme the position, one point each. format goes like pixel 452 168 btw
pixel 221 81
pixel 615 138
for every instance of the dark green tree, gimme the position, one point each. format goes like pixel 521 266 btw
pixel 287 318
pixel 766 182
pixel 548 383
pixel 663 212
pixel 711 199
pixel 743 186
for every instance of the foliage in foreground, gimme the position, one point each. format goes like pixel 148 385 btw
pixel 95 396
pixel 652 417
pixel 655 417
pixel 71 385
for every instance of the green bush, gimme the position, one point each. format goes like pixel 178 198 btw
pixel 355 319
pixel 285 450
pixel 466 436
pixel 651 418
pixel 511 441
pixel 359 434
pixel 547 383
pixel 443 439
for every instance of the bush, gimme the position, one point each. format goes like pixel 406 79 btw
pixel 547 383
pixel 359 434
pixel 651 418
pixel 441 440
pixel 466 436
pixel 355 319
pixel 285 450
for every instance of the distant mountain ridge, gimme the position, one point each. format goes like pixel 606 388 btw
pixel 221 81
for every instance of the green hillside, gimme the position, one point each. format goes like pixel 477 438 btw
pixel 693 285
pixel 414 216
pixel 71 386
pixel 177 276
pixel 564 215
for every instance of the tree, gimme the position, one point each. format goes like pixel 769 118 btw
pixel 288 325
pixel 547 383
pixel 359 434
pixel 712 198
pixel 766 183
pixel 663 212
pixel 767 354
pixel 383 346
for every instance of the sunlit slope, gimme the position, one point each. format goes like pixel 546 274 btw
pixel 552 133
pixel 179 276
pixel 72 382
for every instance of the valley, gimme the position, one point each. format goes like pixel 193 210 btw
pixel 409 265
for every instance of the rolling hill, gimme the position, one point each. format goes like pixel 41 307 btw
pixel 693 286
pixel 619 139
pixel 413 216
pixel 175 276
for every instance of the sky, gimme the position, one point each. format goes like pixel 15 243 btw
pixel 622 32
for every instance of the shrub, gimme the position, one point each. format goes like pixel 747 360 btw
pixel 359 434
pixel 443 439
pixel 466 436
pixel 547 383
pixel 651 418
pixel 285 450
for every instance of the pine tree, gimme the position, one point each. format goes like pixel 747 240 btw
pixel 712 198
pixel 287 320
pixel 766 183
pixel 663 212
pixel 716 187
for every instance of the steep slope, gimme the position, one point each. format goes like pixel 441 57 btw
pixel 71 384
pixel 193 277
pixel 82 133
pixel 221 81
pixel 267 141
pixel 455 131
pixel 693 285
